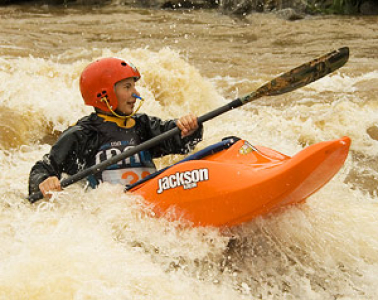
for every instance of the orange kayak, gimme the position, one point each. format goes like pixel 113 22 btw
pixel 233 182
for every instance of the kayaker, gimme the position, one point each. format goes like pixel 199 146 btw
pixel 108 85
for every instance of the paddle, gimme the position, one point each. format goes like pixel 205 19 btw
pixel 284 83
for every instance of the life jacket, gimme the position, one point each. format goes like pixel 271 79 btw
pixel 119 138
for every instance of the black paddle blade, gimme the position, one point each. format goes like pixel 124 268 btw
pixel 302 75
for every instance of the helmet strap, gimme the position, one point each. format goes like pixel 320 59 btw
pixel 104 99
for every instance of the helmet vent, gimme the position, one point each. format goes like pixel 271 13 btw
pixel 123 64
pixel 102 94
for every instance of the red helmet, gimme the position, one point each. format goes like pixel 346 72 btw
pixel 98 79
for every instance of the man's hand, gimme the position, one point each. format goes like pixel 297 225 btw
pixel 49 185
pixel 187 124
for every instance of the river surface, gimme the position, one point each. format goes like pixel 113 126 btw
pixel 101 244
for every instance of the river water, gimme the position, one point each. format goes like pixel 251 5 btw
pixel 101 244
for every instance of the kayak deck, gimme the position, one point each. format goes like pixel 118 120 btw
pixel 241 182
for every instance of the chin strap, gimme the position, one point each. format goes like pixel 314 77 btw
pixel 104 99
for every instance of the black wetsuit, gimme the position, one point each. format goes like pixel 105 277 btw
pixel 93 140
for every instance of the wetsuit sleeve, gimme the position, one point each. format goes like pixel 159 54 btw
pixel 69 155
pixel 175 145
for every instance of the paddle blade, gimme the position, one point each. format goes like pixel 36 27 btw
pixel 302 75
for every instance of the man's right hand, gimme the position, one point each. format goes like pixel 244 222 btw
pixel 49 185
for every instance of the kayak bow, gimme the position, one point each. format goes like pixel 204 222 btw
pixel 241 182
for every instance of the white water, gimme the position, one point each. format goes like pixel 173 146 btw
pixel 104 244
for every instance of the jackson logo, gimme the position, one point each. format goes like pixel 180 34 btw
pixel 187 180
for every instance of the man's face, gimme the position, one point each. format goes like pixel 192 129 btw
pixel 124 90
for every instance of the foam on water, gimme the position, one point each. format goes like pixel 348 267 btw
pixel 105 244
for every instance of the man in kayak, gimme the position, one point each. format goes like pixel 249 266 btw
pixel 108 85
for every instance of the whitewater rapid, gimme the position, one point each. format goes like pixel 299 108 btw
pixel 106 244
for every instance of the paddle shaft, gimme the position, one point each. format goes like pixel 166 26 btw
pixel 284 83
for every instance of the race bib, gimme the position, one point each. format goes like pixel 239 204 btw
pixel 126 176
